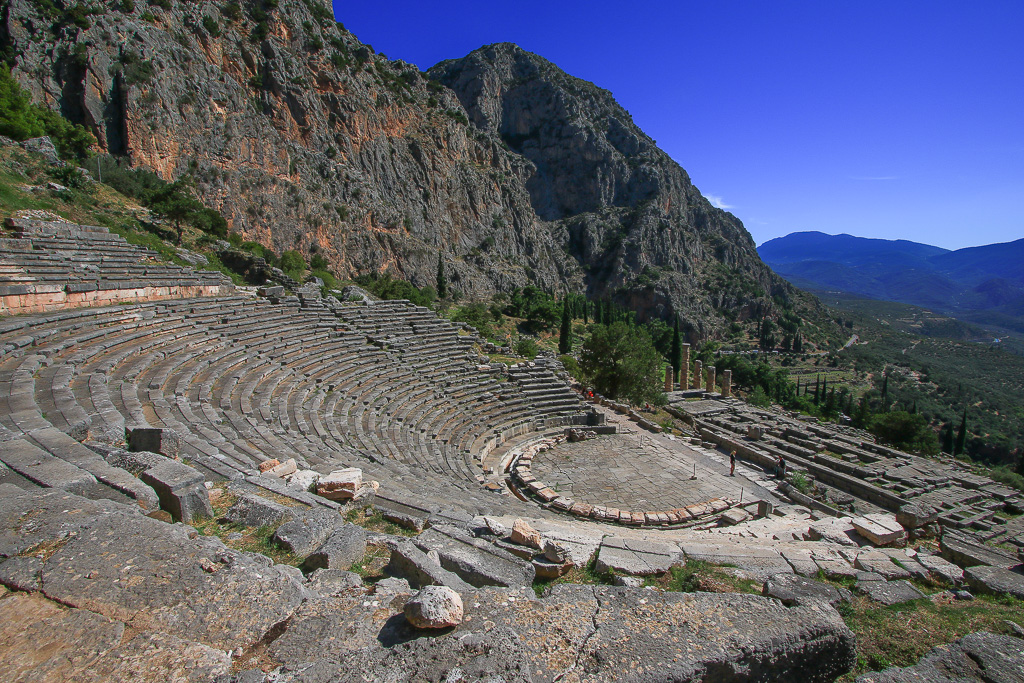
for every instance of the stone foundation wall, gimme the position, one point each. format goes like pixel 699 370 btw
pixel 46 298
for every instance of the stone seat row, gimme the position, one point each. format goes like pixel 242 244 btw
pixel 238 395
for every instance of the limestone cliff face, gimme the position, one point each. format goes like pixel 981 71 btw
pixel 624 210
pixel 305 139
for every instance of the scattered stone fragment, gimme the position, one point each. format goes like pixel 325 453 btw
pixel 881 530
pixel 345 546
pixel 434 607
pixel 916 515
pixel 282 469
pixel 524 534
pixel 267 465
pixel 304 480
pixel 629 581
pixel 255 511
pixel 340 484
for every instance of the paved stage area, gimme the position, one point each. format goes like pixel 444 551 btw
pixel 637 470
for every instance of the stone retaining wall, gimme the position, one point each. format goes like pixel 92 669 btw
pixel 47 298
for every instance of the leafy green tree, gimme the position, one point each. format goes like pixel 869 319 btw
pixel 293 264
pixel 905 431
pixel 176 204
pixel 621 362
pixel 527 347
pixel 565 332
pixel 21 119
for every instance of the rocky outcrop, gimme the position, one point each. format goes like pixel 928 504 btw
pixel 304 138
pixel 623 209
pixel 96 586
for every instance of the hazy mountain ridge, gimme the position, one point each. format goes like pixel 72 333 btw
pixel 306 139
pixel 982 284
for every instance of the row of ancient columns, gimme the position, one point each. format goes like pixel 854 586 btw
pixel 699 373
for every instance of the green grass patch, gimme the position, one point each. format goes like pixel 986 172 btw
pixel 372 519
pixel 587 575
pixel 698 575
pixel 250 539
pixel 882 632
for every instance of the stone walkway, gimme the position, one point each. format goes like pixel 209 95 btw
pixel 637 470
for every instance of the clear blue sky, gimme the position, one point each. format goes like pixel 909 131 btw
pixel 880 119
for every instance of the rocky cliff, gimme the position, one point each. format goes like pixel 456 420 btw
pixel 304 138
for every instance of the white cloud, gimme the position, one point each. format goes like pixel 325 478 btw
pixel 718 202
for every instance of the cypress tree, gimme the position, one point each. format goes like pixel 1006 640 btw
pixel 947 438
pixel 885 392
pixel 565 333
pixel 817 389
pixel 586 310
pixel 677 350
pixel 961 436
pixel 442 281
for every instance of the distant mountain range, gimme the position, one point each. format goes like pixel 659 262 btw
pixel 981 284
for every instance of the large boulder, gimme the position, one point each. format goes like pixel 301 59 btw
pixel 434 607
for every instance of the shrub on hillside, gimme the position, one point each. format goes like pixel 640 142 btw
pixel 20 119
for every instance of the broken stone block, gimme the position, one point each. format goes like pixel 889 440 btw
pixel 795 590
pixel 733 516
pixel 524 534
pixel 880 530
pixel 282 469
pixel 880 563
pixel 269 465
pixel 302 536
pixel 256 511
pixel 964 552
pixel 556 552
pixel 155 439
pixel 916 515
pixel 181 489
pixel 329 582
pixel 345 546
pixel 434 607
pixel 635 557
pixel 410 563
pixel 303 479
pixel 942 568
pixel 476 561
pixel 340 484
pixel 546 569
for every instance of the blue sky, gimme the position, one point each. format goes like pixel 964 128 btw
pixel 880 119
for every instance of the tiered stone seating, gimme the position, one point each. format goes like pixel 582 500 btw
pixel 48 266
pixel 388 386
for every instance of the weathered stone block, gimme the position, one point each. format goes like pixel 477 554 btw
pixel 304 535
pixel 181 489
pixel 880 530
pixel 340 484
pixel 916 515
pixel 996 580
pixel 795 590
pixel 345 546
pixel 155 439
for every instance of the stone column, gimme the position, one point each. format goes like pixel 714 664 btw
pixel 698 374
pixel 710 386
pixel 684 369
pixel 726 383
pixel 669 373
